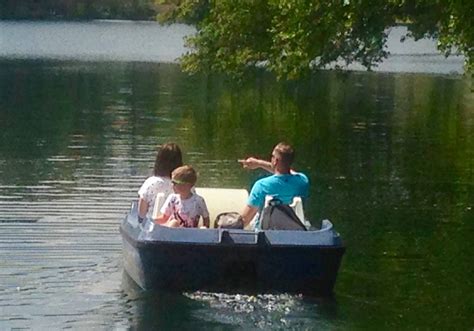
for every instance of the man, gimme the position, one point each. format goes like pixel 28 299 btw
pixel 284 184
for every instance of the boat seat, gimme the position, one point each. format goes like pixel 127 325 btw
pixel 218 200
pixel 221 200
pixel 296 205
pixel 159 201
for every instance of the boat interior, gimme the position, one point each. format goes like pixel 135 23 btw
pixel 221 200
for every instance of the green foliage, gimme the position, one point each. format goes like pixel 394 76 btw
pixel 452 22
pixel 293 37
pixel 289 37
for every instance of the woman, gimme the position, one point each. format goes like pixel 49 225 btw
pixel 168 158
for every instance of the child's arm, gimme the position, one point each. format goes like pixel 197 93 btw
pixel 161 219
pixel 204 213
pixel 206 221
pixel 142 207
pixel 165 212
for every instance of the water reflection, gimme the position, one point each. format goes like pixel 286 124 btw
pixel 149 310
pixel 389 158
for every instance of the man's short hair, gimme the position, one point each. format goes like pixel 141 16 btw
pixel 285 152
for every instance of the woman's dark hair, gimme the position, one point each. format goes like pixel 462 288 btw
pixel 168 158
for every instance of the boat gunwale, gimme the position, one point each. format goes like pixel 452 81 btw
pixel 139 243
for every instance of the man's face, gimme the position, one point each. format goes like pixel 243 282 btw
pixel 274 159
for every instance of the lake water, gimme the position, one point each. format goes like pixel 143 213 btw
pixel 390 157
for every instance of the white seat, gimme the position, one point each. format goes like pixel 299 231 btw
pixel 220 200
pixel 296 205
pixel 159 201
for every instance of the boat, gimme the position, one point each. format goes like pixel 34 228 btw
pixel 230 260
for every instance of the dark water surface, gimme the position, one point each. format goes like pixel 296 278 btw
pixel 390 157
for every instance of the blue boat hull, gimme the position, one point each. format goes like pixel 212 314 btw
pixel 232 261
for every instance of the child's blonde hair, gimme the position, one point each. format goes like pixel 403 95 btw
pixel 184 174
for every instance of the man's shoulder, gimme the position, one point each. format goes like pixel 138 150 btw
pixel 263 182
pixel 294 174
pixel 300 175
pixel 266 179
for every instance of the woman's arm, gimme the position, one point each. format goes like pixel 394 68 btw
pixel 142 208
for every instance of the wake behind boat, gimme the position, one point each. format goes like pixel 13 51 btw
pixel 230 260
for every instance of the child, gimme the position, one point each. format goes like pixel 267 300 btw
pixel 183 208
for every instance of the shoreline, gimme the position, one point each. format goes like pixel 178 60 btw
pixel 150 41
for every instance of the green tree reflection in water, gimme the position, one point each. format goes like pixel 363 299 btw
pixel 390 158
pixel 391 162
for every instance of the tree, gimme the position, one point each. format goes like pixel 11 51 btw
pixel 293 37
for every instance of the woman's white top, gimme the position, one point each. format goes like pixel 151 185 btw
pixel 151 187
